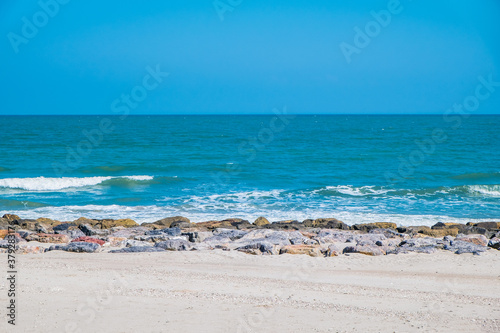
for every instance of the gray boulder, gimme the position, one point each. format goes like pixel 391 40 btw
pixel 130 232
pixel 460 247
pixel 167 231
pixel 494 243
pixel 88 230
pixel 72 232
pixel 174 245
pixel 258 247
pixel 233 234
pixel 76 247
pixel 327 236
pixel 197 236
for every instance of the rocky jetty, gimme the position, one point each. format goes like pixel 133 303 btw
pixel 323 237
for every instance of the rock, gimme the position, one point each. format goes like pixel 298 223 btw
pixel 28 248
pixel 130 232
pixel 334 250
pixel 258 247
pixel 72 232
pixel 333 236
pixel 48 222
pixel 3 233
pixel 329 223
pixel 233 234
pixel 371 250
pixel 89 240
pixel 452 229
pixel 212 225
pixel 4 223
pixel 197 236
pixel 158 238
pixel 424 242
pixel 107 224
pixel 441 225
pixel 11 217
pixel 90 231
pixel 488 225
pixel 84 220
pixel 25 224
pixel 460 247
pixel 48 238
pixel 217 241
pixel 133 242
pixel 437 233
pixel 17 237
pixel 366 227
pixel 174 245
pixel 284 225
pixel 23 248
pixel 310 250
pixel 24 233
pixel 227 223
pixel 167 231
pixel 494 243
pixel 368 239
pixel 420 245
pixel 388 233
pixel 297 238
pixel 40 228
pixel 76 247
pixel 261 221
pixel 63 226
pixel 116 241
pixel 476 239
pixel 473 230
pixel 167 222
pixel 135 249
pixel 269 236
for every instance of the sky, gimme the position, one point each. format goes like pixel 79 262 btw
pixel 248 56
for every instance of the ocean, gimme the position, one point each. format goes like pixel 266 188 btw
pixel 412 170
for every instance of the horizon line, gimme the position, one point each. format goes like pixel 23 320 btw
pixel 240 114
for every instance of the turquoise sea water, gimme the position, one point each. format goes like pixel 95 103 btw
pixel 405 169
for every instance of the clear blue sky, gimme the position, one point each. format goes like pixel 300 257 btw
pixel 264 54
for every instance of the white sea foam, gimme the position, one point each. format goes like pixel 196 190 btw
pixel 488 190
pixel 357 191
pixel 153 213
pixel 56 184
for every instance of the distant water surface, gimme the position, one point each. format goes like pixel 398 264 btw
pixel 405 169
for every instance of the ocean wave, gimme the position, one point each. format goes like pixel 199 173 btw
pixel 56 184
pixel 362 191
pixel 487 190
pixel 358 191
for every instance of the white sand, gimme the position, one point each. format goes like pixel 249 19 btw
pixel 234 292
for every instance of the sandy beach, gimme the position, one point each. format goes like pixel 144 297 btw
pixel 221 291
